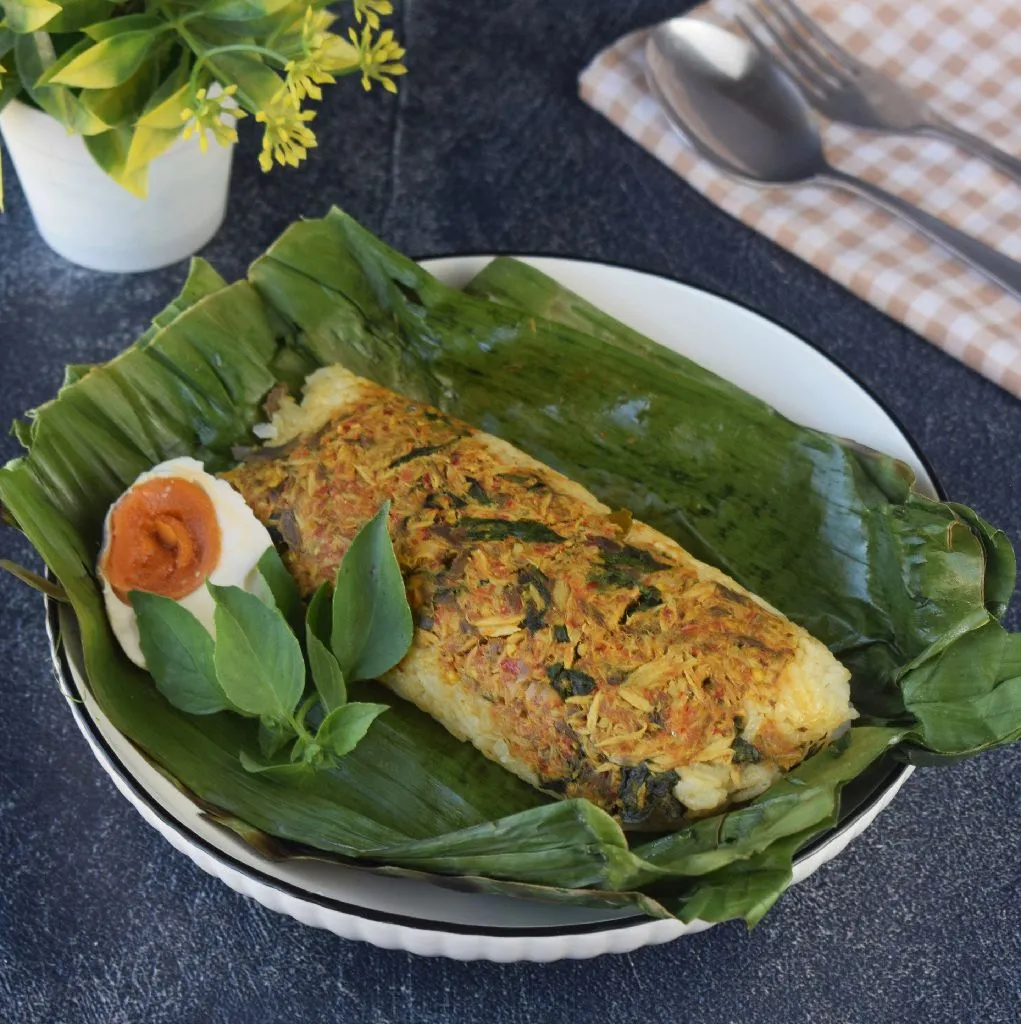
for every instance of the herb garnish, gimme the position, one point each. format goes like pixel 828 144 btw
pixel 477 493
pixel 622 564
pixel 528 530
pixel 641 790
pixel 570 682
pixel 453 501
pixel 417 453
pixel 536 597
pixel 744 752
pixel 648 597
pixel 256 667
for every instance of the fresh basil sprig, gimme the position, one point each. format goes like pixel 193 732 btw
pixel 179 653
pixel 256 666
pixel 372 624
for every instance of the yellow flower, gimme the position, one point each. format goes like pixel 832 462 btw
pixel 304 78
pixel 308 72
pixel 378 59
pixel 287 138
pixel 370 10
pixel 206 113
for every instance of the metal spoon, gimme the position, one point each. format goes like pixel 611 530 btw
pixel 734 103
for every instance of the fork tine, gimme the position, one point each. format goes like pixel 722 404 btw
pixel 843 58
pixel 809 86
pixel 804 72
pixel 805 46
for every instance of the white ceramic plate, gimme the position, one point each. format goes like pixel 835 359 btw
pixel 398 913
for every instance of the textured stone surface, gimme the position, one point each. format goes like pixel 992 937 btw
pixel 488 149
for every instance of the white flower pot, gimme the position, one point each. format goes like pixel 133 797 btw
pixel 91 220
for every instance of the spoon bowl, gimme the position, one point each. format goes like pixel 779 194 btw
pixel 730 98
pixel 733 102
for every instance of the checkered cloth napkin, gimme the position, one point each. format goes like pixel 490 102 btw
pixel 963 57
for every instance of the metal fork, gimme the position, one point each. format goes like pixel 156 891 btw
pixel 842 88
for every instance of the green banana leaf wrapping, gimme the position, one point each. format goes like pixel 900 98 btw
pixel 907 591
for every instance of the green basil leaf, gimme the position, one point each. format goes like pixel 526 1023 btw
pixel 281 585
pixel 105 64
pixel 305 750
pixel 372 625
pixel 28 15
pixel 293 772
pixel 273 736
pixel 179 652
pixel 326 673
pixel 319 617
pixel 258 659
pixel 343 728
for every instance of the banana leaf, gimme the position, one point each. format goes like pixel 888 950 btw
pixel 410 799
pixel 957 719
pixel 893 579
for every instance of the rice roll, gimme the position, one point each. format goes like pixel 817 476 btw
pixel 585 652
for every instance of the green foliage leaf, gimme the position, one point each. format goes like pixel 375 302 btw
pixel 121 105
pixel 344 727
pixel 28 15
pixel 74 372
pixel 77 14
pixel 1001 563
pixel 372 626
pixel 160 123
pixel 258 659
pixel 10 89
pixel 34 580
pixel 285 773
pixel 105 64
pixel 34 54
pixel 110 150
pixel 179 652
pixel 124 25
pixel 164 110
pixel 319 616
pixel 274 736
pixel 326 673
pixel 967 697
pixel 257 84
pixel 281 585
pixel 804 799
pixel 243 10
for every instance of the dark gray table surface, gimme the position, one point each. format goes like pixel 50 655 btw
pixel 487 148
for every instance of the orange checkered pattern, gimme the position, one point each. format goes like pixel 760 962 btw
pixel 966 60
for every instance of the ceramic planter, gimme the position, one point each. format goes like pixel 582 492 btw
pixel 91 220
